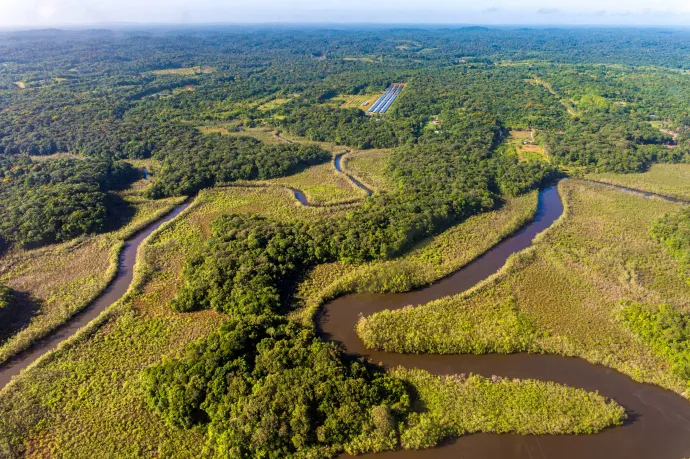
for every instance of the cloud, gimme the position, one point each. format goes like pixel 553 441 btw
pixel 491 10
pixel 548 11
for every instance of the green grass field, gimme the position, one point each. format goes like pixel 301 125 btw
pixel 369 167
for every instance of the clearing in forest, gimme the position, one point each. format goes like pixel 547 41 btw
pixel 361 101
pixel 526 147
pixel 184 70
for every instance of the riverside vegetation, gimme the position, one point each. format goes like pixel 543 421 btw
pixel 592 260
pixel 255 380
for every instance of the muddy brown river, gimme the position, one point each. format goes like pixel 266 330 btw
pixel 659 420
pixel 658 425
pixel 113 292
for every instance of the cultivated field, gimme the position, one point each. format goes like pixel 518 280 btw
pixel 526 147
pixel 361 101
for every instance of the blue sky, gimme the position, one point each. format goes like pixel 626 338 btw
pixel 33 13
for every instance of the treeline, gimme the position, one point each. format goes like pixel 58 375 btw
pixel 345 126
pixel 204 161
pixel 665 330
pixel 56 200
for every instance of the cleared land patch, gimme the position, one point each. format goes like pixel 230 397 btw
pixel 184 71
pixel 526 147
pixel 360 101
pixel 369 166
pixel 360 59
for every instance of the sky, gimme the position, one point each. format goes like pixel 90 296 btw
pixel 50 13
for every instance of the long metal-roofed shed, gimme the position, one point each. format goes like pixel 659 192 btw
pixel 386 100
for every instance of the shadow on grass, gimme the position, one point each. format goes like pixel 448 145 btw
pixel 120 213
pixel 17 314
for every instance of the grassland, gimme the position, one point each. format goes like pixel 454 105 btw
pixel 369 167
pixel 360 59
pixel 568 288
pixel 322 184
pixel 86 399
pixel 428 262
pixel 57 281
pixel 664 179
pixel 525 407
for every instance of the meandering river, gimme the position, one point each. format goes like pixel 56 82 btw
pixel 659 420
pixel 116 289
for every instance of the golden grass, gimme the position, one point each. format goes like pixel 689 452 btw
pixel 359 59
pixel 429 261
pixel 56 156
pixel 64 278
pixel 85 399
pixel 369 167
pixel 451 406
pixel 357 101
pixel 665 179
pixel 569 285
pixel 264 134
pixel 322 185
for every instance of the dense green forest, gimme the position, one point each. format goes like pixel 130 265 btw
pixel 74 105
pixel 52 201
